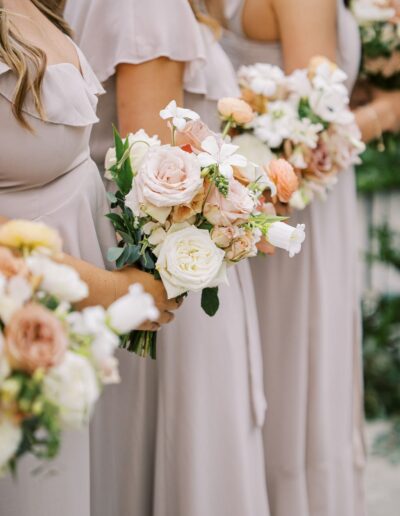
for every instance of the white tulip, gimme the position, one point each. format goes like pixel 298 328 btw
pixel 130 311
pixel 73 386
pixel 286 237
pixel 58 280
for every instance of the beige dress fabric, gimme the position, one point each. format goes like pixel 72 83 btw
pixel 309 313
pixel 48 176
pixel 184 433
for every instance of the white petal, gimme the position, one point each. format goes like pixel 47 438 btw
pixel 237 160
pixel 206 160
pixel 179 123
pixel 226 170
pixel 227 150
pixel 211 146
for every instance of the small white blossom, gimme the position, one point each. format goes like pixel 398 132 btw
pixel 179 115
pixel 223 155
pixel 286 237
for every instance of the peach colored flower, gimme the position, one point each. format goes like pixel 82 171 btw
pixel 185 211
pixel 232 209
pixel 282 174
pixel 194 133
pixel 35 339
pixel 222 236
pixel 243 246
pixel 316 62
pixel 236 109
pixel 319 161
pixel 257 102
pixel 10 265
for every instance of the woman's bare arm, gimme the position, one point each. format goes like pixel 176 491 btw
pixel 143 90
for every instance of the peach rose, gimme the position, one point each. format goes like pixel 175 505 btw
pixel 11 265
pixel 194 133
pixel 236 109
pixel 35 339
pixel 282 174
pixel 243 246
pixel 222 236
pixel 232 209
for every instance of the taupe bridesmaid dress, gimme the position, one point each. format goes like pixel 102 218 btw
pixel 47 175
pixel 206 406
pixel 309 312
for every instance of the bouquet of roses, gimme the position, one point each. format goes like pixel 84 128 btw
pixel 303 118
pixel 379 24
pixel 183 213
pixel 53 361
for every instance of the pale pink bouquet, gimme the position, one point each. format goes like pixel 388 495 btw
pixel 185 212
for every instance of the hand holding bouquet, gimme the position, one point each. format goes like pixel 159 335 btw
pixel 303 118
pixel 53 361
pixel 184 212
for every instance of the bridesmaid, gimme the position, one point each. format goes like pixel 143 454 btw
pixel 311 339
pixel 47 126
pixel 209 404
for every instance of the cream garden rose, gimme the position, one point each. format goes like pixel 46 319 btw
pixel 190 261
pixel 73 387
pixel 168 177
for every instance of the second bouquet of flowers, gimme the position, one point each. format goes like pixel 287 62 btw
pixel 183 212
pixel 304 118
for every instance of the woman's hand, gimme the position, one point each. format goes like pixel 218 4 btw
pixel 129 275
pixel 387 105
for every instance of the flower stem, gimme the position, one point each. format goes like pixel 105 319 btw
pixel 227 128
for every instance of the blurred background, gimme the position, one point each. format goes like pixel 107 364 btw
pixel 378 183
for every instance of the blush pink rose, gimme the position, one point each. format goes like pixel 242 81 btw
pixel 236 109
pixel 320 161
pixel 168 177
pixel 283 175
pixel 11 265
pixel 233 209
pixel 35 338
pixel 194 133
pixel 243 246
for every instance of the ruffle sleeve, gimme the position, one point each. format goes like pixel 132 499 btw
pixel 135 31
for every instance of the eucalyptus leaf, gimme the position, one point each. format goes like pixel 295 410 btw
pixel 114 253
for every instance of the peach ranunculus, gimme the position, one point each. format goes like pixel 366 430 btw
pixel 283 175
pixel 10 265
pixel 235 109
pixel 24 234
pixel 35 339
pixel 235 208
pixel 194 133
pixel 167 177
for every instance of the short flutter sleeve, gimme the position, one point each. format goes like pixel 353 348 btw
pixel 135 31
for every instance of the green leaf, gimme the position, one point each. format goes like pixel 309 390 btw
pixel 210 301
pixel 147 261
pixel 134 254
pixel 122 260
pixel 117 220
pixel 119 144
pixel 114 253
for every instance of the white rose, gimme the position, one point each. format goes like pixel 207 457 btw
pixel 167 177
pixel 140 143
pixel 74 388
pixel 132 310
pixel 286 237
pixel 367 11
pixel 190 261
pixel 10 439
pixel 58 280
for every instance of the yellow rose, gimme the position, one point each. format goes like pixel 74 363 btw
pixel 23 234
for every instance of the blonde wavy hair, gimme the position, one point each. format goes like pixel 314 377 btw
pixel 211 14
pixel 27 61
